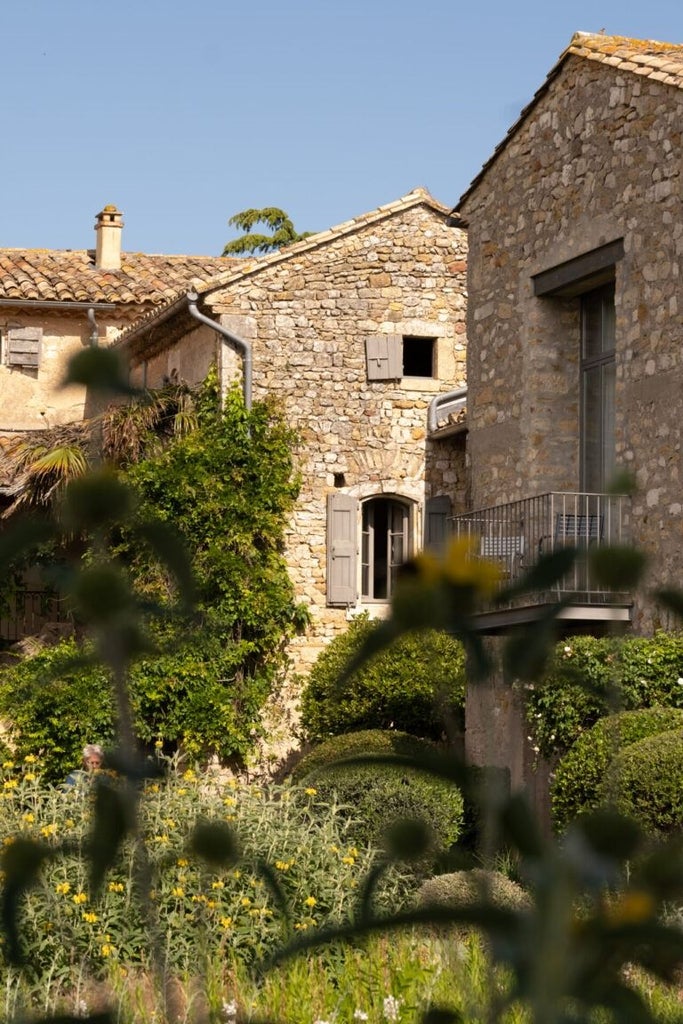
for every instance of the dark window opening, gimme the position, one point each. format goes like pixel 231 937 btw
pixel 339 480
pixel 597 389
pixel 384 547
pixel 418 357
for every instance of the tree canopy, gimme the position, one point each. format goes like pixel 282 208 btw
pixel 281 226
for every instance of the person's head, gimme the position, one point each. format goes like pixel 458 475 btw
pixel 93 755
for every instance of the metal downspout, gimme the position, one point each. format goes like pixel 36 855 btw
pixel 448 396
pixel 243 345
pixel 95 333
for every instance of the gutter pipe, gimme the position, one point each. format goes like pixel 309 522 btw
pixel 440 400
pixel 244 346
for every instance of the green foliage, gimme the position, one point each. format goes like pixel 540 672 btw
pixel 590 677
pixel 283 231
pixel 462 888
pixel 582 775
pixel 374 796
pixel 646 783
pixel 416 685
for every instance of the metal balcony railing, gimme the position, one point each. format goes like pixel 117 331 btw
pixel 517 534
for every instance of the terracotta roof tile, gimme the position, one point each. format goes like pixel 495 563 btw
pixel 71 276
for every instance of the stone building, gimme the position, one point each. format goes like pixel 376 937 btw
pixel 55 302
pixel 575 334
pixel 356 330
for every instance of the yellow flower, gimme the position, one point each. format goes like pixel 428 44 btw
pixel 218 885
pixel 237 873
pixel 30 759
pixel 178 892
pixel 10 783
pixel 310 901
pixel 63 888
pixel 8 764
pixel 182 862
pixel 169 822
pixel 161 839
pixel 229 801
pixel 348 860
pixel 30 776
pixel 116 887
pixel 189 774
pixel 28 817
pixel 254 912
pixel 107 949
pixel 225 922
pixel 153 787
pixel 463 566
pixel 182 791
pixel 158 744
pixel 89 917
pixel 352 851
pixel 48 830
pixel 69 823
pixel 334 849
pixel 211 904
pixel 632 907
pixel 310 791
pixel 80 897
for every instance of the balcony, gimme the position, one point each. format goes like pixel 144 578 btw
pixel 516 535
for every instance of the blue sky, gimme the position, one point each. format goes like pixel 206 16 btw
pixel 182 114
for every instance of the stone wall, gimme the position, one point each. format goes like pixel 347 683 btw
pixel 307 315
pixel 597 159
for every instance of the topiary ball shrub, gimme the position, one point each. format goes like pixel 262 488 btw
pixel 416 685
pixel 376 796
pixel 647 778
pixel 580 774
pixel 463 888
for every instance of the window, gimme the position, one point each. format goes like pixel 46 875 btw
pixel 419 357
pixel 384 548
pixel 597 388
pixel 392 356
pixel 21 347
pixel 380 530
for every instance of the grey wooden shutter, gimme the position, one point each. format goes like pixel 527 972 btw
pixel 384 356
pixel 342 544
pixel 23 346
pixel 437 532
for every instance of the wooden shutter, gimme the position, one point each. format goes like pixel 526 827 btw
pixel 384 356
pixel 437 531
pixel 23 346
pixel 342 545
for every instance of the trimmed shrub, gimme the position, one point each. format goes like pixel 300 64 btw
pixel 462 888
pixel 416 685
pixel 580 774
pixel 589 677
pixel 376 796
pixel 648 780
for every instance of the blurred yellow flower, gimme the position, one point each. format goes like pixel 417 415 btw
pixel 218 885
pixel 116 887
pixel 225 922
pixel 245 901
pixel 28 817
pixel 30 759
pixel 80 897
pixel 229 801
pixel 178 892
pixel 106 949
pixel 8 764
pixel 182 862
pixel 48 830
pixel 89 917
pixel 310 901
pixel 29 776
pixel 63 888
pixel 631 907
pixel 348 859
pixel 310 791
pixel 10 783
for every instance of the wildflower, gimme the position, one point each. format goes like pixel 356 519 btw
pixel 182 862
pixel 218 884
pixel 182 791
pixel 28 817
pixel 225 922
pixel 352 851
pixel 282 865
pixel 169 822
pixel 48 830
pixel 680 680
pixel 567 652
pixel 106 949
pixel 211 904
pixel 310 901
pixel 229 801
pixel 310 791
pixel 245 901
pixel 79 898
pixel 81 1008
pixel 632 907
pixel 90 918
pixel 10 783
pixel 8 764
pixel 189 775
pixel 153 788
pixel 237 873
pixel 116 887
pixel 158 744
pixel 348 860
pixel 69 823
pixel 30 759
pixel 161 839
pixel 62 889
pixel 335 849
pixel 30 776
pixel 391 1008
pixel 360 1015
pixel 229 1009
pixel 178 892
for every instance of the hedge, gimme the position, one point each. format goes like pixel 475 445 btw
pixel 417 686
pixel 648 779
pixel 579 776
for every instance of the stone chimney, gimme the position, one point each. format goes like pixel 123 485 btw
pixel 108 225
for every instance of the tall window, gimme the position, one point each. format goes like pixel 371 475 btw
pixel 597 388
pixel 385 546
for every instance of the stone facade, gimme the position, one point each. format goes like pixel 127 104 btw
pixel 308 313
pixel 595 159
